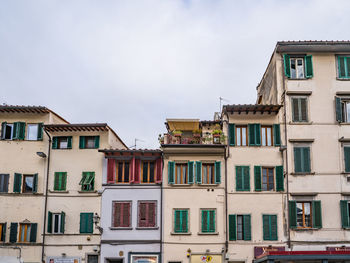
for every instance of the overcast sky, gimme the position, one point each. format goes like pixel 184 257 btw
pixel 133 64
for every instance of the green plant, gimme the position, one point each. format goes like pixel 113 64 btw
pixel 175 132
pixel 197 131
pixel 217 132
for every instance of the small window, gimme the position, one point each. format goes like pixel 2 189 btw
pixel 4 183
pixel 268 179
pixel 304 219
pixel 89 142
pixel 181 221
pixel 87 181
pixel 241 135
pixel 346 159
pixel 2 232
pixel 92 258
pixel 344 67
pixel 208 221
pixel 148 171
pixel 123 171
pixel 13 131
pixel 147 213
pixel 149 258
pixel 302 159
pixel 7 131
pixel 208 173
pixel 86 223
pixel 181 173
pixel 266 136
pixel 27 233
pixel 32 132
pixel 28 181
pixel 242 178
pixel 297 68
pixel 62 142
pixel 299 109
pixel 56 222
pixel 270 227
pixel 243 227
pixel 121 214
pixel 60 181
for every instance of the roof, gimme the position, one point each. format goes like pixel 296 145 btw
pixel 254 108
pixel 313 46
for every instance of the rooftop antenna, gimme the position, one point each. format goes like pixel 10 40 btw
pixel 135 145
pixel 221 100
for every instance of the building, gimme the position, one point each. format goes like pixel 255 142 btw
pixel 131 216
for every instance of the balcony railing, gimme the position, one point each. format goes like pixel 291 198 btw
pixel 209 139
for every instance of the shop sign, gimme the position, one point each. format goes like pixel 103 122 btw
pixel 63 260
pixel 258 251
pixel 206 258
pixel 338 248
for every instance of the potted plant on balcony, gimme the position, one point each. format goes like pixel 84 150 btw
pixel 177 133
pixel 216 135
pixel 161 139
pixel 197 133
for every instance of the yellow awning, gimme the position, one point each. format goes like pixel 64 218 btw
pixel 183 124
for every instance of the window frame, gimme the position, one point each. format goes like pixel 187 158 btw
pixel 238 128
pixel 113 226
pixel 27 232
pixel 3 232
pixel 299 98
pixel 346 166
pixel 345 103
pixel 182 181
pixel 296 58
pixel 59 223
pixel 59 141
pixel 302 145
pixel 208 231
pixel 180 232
pixel 117 162
pixel 148 181
pixel 267 180
pixel 149 255
pixel 267 135
pixel 84 178
pixel 3 185
pixel 154 214
pixel 303 215
pixel 24 176
pixel 346 70
pixel 11 132
pixel 37 131
pixel 207 166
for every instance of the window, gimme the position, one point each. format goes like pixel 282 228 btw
pixel 180 173
pixel 299 109
pixel 181 221
pixel 266 136
pixel 346 160
pixel 13 131
pixel 27 233
pixel 208 221
pixel 56 222
pixel 242 178
pixel 89 142
pixel 4 183
pixel 92 258
pixel 241 136
pixel 208 173
pixel 148 172
pixel 239 227
pixel 305 214
pixel 123 171
pixel 86 223
pixel 138 258
pixel 62 142
pixel 343 67
pixel 298 67
pixel 28 183
pixel 254 134
pixel 121 214
pixel 270 227
pixel 342 108
pixel 60 181
pixel 2 232
pixel 345 213
pixel 87 181
pixel 302 159
pixel 267 177
pixel 35 132
pixel 147 213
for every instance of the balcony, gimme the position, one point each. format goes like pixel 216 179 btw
pixel 187 138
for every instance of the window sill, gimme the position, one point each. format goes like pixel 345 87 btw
pixel 147 228
pixel 301 123
pixel 344 123
pixel 87 192
pixel 120 228
pixel 180 234
pixel 343 79
pixel 299 78
pixel 308 173
pixel 209 233
pixel 205 185
pixel 305 229
pixel 346 173
pixel 58 192
pixel 23 194
pixel 181 185
pixel 88 148
pixel 61 148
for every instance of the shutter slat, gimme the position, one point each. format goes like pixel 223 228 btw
pixel 292 214
pixel 247 227
pixel 82 142
pixel 257 178
pixel 69 142
pixel 316 214
pixel 217 172
pixel 40 132
pixel 273 227
pixel 286 60
pixel 231 131
pixel 338 109
pixel 3 129
pixel 199 172
pixel 341 67
pixel 295 110
pixel 257 134
pixel 277 135
pixel 17 183
pixel 297 159
pixel 266 227
pixel 251 134
pixel 246 175
pixel 111 171
pixel 63 222
pixel 49 222
pixel 171 172
pixel 13 232
pixel 190 166
pixel 33 230
pixel 54 143
pixel 347 159
pixel 239 178
pixel 308 67
pixel 35 183
pixel 344 211
pixel 232 227
pixel 279 178
pixel 97 142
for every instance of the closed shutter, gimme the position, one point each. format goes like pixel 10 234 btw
pixel 341 67
pixel 111 171
pixel 177 221
pixel 273 227
pixel 257 178
pixel 190 166
pixel 308 67
pixel 69 142
pixel 316 214
pixel 54 143
pixel 33 230
pixel 35 183
pixel 40 131
pixel 116 221
pixel 295 110
pixel 279 178
pixel 21 130
pixel 251 134
pixel 338 109
pixel 171 172
pixel 90 223
pixel 306 159
pixel 286 60
pixel 138 171
pixel 56 184
pixel 303 109
pixel 292 214
pixel 184 221
pixel 298 159
pixel 212 221
pixel 3 130
pixel 126 214
pixel 64 181
pixel 247 227
pixel 232 227
pixel 246 178
pixel 266 227
pixel 257 134
pixel 199 172
pixel 151 215
pixel 49 222
pixel 277 135
pixel 231 132
pixel 217 172
pixel 347 159
pixel 205 221
pixel 142 215
pixel 82 142
pixel 63 221
pixel 17 183
pixel 344 212
pixel 97 142
pixel 159 168
pixel 3 232
pixel 181 221
pixel 13 232
pixel 239 178
pixel 86 222
pixel 82 223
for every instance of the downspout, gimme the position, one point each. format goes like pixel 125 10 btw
pixel 161 213
pixel 46 192
pixel 227 154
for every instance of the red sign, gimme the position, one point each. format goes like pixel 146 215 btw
pixel 338 248
pixel 258 251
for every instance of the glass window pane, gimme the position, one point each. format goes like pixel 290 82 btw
pixel 28 183
pixel 244 136
pixel 56 219
pixel 184 174
pixel 32 132
pixel 211 174
pixel 239 227
pixel 347 112
pixel 63 143
pixel 178 174
pixel 90 142
pixel 263 134
pixel 204 176
pixel 28 232
pixel 239 130
pixel 269 140
pixel 300 69
pixel 293 73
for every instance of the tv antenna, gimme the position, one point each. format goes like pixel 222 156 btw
pixel 221 100
pixel 135 145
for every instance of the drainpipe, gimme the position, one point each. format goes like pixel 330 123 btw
pixel 46 192
pixel 161 213
pixel 227 154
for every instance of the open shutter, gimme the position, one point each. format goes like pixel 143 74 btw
pixel 218 172
pixel 54 143
pixel 33 231
pixel 82 142
pixel 247 227
pixel 190 166
pixel 69 142
pixel 277 135
pixel 17 183
pixel 21 130
pixel 231 134
pixel 97 142
pixel 257 134
pixel 338 109
pixel 239 178
pixel 40 131
pixel 49 222
pixel 279 178
pixel 171 172
pixel 132 170
pixel 138 171
pixel 199 172
pixel 344 211
pixel 273 227
pixel 286 60
pixel 35 183
pixel 232 227
pixel 309 73
pixel 63 221
pixel 341 67
pixel 111 171
pixel 3 130
pixel 316 214
pixel 13 232
pixel 251 134
pixel 257 178
pixel 347 159
pixel 266 227
pixel 246 178
pixel 15 131
pixel 159 168
pixel 3 232
pixel 292 214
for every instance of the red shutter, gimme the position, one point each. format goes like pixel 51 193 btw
pixel 159 170
pixel 111 171
pixel 117 215
pixel 126 215
pixel 137 171
pixel 151 215
pixel 132 170
pixel 143 215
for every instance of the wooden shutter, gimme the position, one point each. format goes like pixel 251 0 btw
pixel 151 214
pixel 239 178
pixel 251 134
pixel 15 131
pixel 306 159
pixel 231 134
pixel 97 142
pixel 33 230
pixel 69 142
pixel 21 130
pixel 303 109
pixel 132 170
pixel 257 178
pixel 54 143
pixel 13 232
pixel 64 181
pixel 273 227
pixel 190 167
pixel 309 73
pixel 3 232
pixel 63 222
pixel 295 110
pixel 286 60
pixel 126 214
pixel 49 222
pixel 90 223
pixel 138 171
pixel 247 227
pixel 159 170
pixel 347 159
pixel 205 221
pixel 184 221
pixel 142 214
pixel 211 221
pixel 111 171
pixel 316 214
pixel 338 109
pixel 199 172
pixel 40 132
pixel 117 214
pixel 171 172
pixel 3 130
pixel 344 212
pixel 82 142
pixel 266 227
pixel 292 214
pixel 298 159
pixel 17 183
pixel 246 178
pixel 257 134
pixel 82 223
pixel 177 221
pixel 35 183
pixel 232 235
pixel 277 135
pixel 218 172
pixel 270 227
pixel 279 178
pixel 57 181
pixel 341 67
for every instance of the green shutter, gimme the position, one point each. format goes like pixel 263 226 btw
pixel 97 142
pixel 64 181
pixel 286 60
pixel 33 230
pixel 35 183
pixel 298 159
pixel 212 221
pixel 22 130
pixel 49 222
pixel 217 172
pixel 341 67
pixel 231 132
pixel 338 109
pixel 251 134
pixel 257 178
pixel 63 221
pixel 316 214
pixel 306 159
pixel 83 223
pixel 190 166
pixel 309 73
pixel 266 227
pixel 54 143
pixel 347 159
pixel 17 183
pixel 56 184
pixel 82 142
pixel 292 214
pixel 3 130
pixel 246 227
pixel 69 142
pixel 13 232
pixel 60 181
pixel 180 221
pixel 83 178
pixel 344 212
pixel 199 172
pixel 40 131
pixel 3 234
pixel 279 178
pixel 184 221
pixel 277 134
pixel 232 227
pixel 273 227
pixel 239 178
pixel 296 110
pixel 257 134
pixel 246 178
pixel 204 221
pixel 15 131
pixel 90 223
pixel 177 221
pixel 171 172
